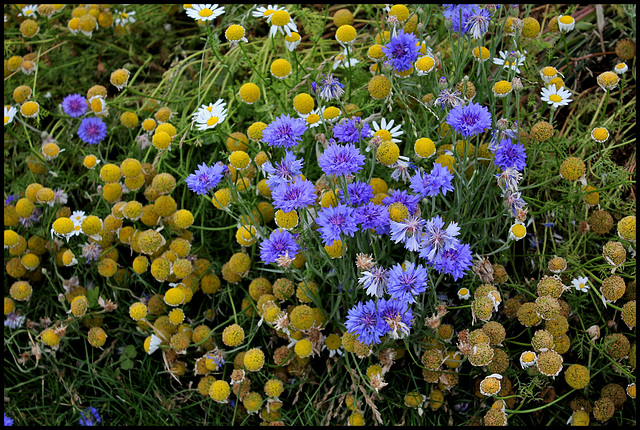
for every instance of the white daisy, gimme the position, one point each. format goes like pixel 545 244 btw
pixel 464 294
pixel 281 22
pixel 341 60
pixel 528 359
pixel 386 132
pixel 154 344
pixel 292 41
pixel 509 63
pixel 580 284
pixel 313 118
pixel 566 23
pixel 207 117
pixel 205 12
pixel 29 11
pixel 621 68
pixel 9 113
pixel 556 97
pixel 123 18
pixel 265 12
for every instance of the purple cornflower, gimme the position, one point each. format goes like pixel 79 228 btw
pixel 280 242
pixel 331 88
pixel 60 197
pixel 284 131
pixel 358 193
pixel 397 315
pixel 510 155
pixel 404 285
pixel 411 201
pixel 469 120
pixel 372 215
pixel 477 22
pixel 364 321
pixel 205 178
pixel 514 201
pixel 437 239
pixel 341 159
pixel 351 130
pixel 409 232
pixel 10 199
pixel 430 184
pixel 31 219
pixel 284 171
pixel 374 281
pixel 454 261
pixel 459 15
pixel 336 220
pixel 92 130
pixel 91 251
pixel 448 98
pixel 509 179
pixel 7 421
pixel 14 320
pixel 296 194
pixel 90 417
pixel 74 105
pixel 402 51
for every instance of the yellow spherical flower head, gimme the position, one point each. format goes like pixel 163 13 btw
pixel 273 388
pixel 239 159
pixel 388 153
pixel 140 264
pixel 138 311
pixel 331 114
pixel 577 376
pixel 30 109
pixel 97 337
pixel 600 134
pixel 50 338
pixel 550 363
pixel 530 27
pixel 306 290
pixel 303 103
pixel 286 220
pixel 110 173
pixel 183 218
pixel 107 267
pixel 246 235
pixel 29 28
pixel 591 196
pixel 379 87
pixel 220 391
pixel 90 161
pixel 303 348
pixel 240 263
pixel 572 168
pixel 481 54
pixel 302 317
pixel 182 268
pixel 129 119
pixel 517 231
pixel 119 78
pixel 221 198
pixel 233 335
pixel 25 207
pixel 174 296
pixel 9 305
pixel 254 360
pixel 237 141
pixel 346 34
pixel 161 140
pixel 20 291
pixel 608 80
pixel 11 239
pixel 399 12
pixel 490 386
pixel 255 131
pixel 336 250
pixel 375 53
pixel 613 252
pixel 342 17
pixel 252 402
pixel 280 68
pixel 425 64
pixel 176 316
pixel 398 212
pixel 627 228
pixel 502 88
pixel 249 93
pixel 50 150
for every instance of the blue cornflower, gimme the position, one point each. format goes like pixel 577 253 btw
pixel 409 232
pixel 454 261
pixel 438 239
pixel 341 159
pixel 90 417
pixel 331 88
pixel 364 321
pixel 402 51
pixel 510 155
pixel 281 242
pixel 205 178
pixel 351 130
pixel 336 220
pixel 284 171
pixel 92 130
pixel 469 120
pixel 7 421
pixel 14 320
pixel 430 184
pixel 513 201
pixel 293 195
pixel 411 201
pixel 374 280
pixel 404 285
pixel 459 15
pixel 477 22
pixel 371 215
pixel 448 98
pixel 74 105
pixel 358 193
pixel 509 179
pixel 284 131
pixel 10 199
pixel 397 315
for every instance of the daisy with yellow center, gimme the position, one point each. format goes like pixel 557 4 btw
pixel 205 12
pixel 281 22
pixel 502 88
pixel 9 114
pixel 386 130
pixel 517 231
pixel 265 12
pixel 464 294
pixel 621 68
pixel 548 73
pixel 235 34
pixel 608 80
pixel 528 359
pixel 341 60
pixel 424 65
pixel 510 60
pixel 292 41
pixel 313 118
pixel 29 11
pixel 600 134
pixel 556 97
pixel 481 54
pixel 123 18
pixel 207 117
pixel 566 23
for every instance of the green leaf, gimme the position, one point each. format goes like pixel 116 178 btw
pixel 126 364
pixel 130 351
pixel 92 296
